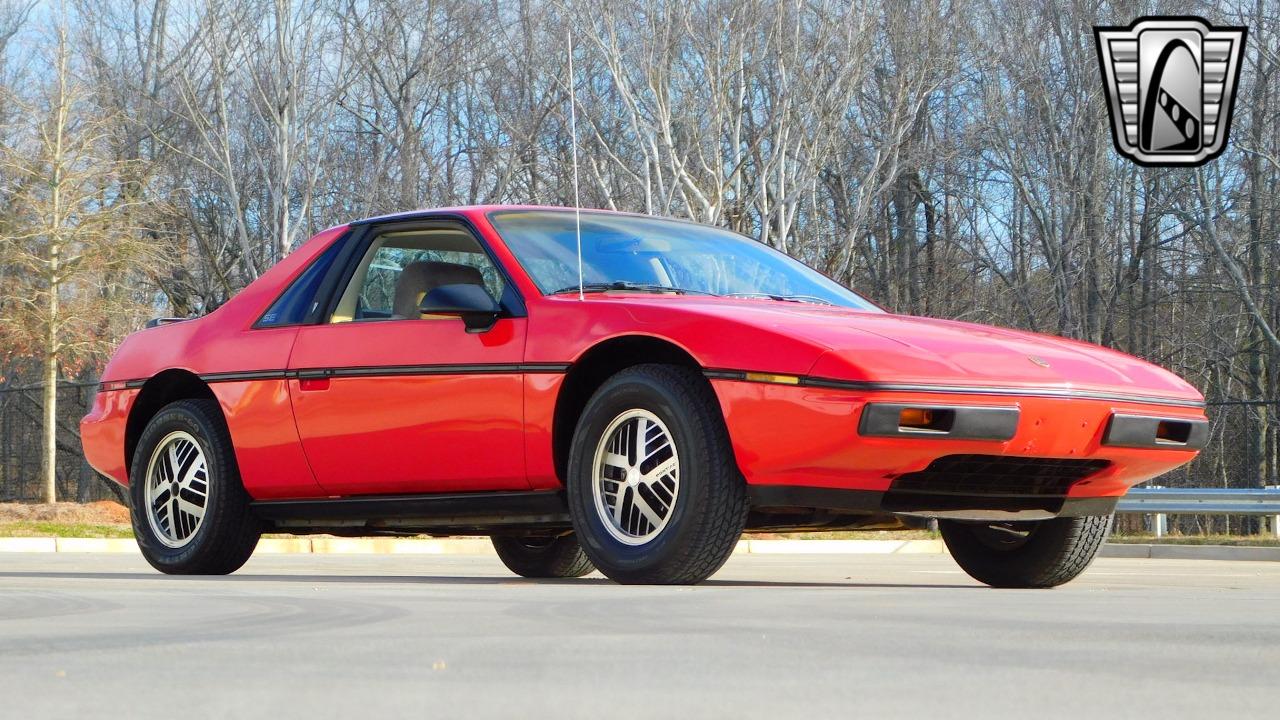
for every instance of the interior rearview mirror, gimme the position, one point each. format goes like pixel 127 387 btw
pixel 468 301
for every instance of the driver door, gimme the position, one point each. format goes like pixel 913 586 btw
pixel 390 401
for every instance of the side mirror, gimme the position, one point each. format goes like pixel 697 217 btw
pixel 470 302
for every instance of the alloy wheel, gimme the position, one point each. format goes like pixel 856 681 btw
pixel 636 477
pixel 177 491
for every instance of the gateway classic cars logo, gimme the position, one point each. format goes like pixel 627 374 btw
pixel 1170 83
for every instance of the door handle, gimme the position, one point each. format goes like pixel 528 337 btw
pixel 309 380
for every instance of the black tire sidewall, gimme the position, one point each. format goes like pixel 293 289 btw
pixel 562 557
pixel 1057 551
pixel 225 494
pixel 628 392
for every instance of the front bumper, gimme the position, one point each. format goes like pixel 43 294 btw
pixel 809 437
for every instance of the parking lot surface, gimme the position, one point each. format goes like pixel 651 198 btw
pixel 794 636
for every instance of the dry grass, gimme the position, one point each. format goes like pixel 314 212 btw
pixel 104 512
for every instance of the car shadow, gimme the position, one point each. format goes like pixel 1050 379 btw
pixel 249 578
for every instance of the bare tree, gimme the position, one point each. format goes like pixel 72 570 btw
pixel 65 215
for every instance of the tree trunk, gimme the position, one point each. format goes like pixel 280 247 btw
pixel 49 449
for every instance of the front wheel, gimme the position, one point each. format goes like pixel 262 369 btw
pixel 1039 554
pixel 190 513
pixel 654 492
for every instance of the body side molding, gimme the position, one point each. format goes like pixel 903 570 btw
pixel 876 386
pixel 425 506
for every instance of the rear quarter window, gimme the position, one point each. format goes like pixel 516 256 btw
pixel 299 299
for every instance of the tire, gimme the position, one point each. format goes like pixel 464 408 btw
pixel 224 537
pixel 1039 554
pixel 704 499
pixel 546 557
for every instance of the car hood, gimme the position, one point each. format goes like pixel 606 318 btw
pixel 887 348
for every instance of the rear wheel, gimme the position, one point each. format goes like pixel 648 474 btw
pixel 542 557
pixel 1038 554
pixel 190 513
pixel 654 492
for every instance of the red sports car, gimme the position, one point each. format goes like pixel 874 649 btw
pixel 631 406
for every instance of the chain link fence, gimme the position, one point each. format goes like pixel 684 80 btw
pixel 21 420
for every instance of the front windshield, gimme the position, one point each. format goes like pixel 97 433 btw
pixel 638 252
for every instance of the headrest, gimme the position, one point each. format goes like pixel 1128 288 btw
pixel 419 278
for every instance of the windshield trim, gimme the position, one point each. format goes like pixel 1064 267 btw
pixel 873 306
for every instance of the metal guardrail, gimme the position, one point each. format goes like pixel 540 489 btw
pixel 1160 502
pixel 1203 501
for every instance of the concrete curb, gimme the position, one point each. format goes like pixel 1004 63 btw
pixel 839 547
pixel 481 546
pixel 96 545
pixel 28 545
pixel 1191 552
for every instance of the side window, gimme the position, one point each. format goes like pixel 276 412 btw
pixel 400 268
pixel 299 299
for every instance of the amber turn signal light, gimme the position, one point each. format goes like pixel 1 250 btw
pixel 772 378
pixel 915 418
pixel 934 420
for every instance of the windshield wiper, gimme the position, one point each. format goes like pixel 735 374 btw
pixel 811 299
pixel 595 287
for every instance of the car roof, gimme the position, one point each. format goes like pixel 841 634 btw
pixel 471 210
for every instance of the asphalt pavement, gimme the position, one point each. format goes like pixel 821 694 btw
pixel 799 636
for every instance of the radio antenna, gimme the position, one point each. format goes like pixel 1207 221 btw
pixel 573 140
